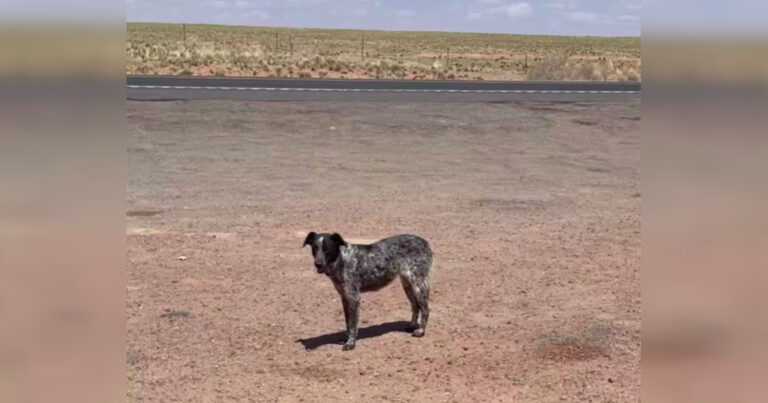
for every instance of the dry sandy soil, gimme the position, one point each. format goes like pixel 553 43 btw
pixel 532 209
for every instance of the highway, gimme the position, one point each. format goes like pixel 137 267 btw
pixel 159 88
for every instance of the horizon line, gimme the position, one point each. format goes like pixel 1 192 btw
pixel 382 30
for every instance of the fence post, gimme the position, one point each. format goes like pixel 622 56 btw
pixel 184 32
pixel 276 42
pixel 362 47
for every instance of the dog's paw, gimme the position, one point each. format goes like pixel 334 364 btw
pixel 418 333
pixel 348 346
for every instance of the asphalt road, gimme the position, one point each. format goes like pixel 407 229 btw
pixel 158 88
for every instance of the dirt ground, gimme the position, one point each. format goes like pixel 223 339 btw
pixel 532 210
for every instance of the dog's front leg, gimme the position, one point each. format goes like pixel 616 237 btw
pixel 352 304
pixel 345 305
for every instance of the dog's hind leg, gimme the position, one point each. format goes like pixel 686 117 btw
pixel 417 290
pixel 422 298
pixel 414 303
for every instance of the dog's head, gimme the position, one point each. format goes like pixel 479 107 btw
pixel 326 249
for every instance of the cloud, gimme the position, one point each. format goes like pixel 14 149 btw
pixel 562 5
pixel 517 10
pixel 475 15
pixel 557 5
pixel 219 4
pixel 586 17
pixel 632 4
pixel 306 3
pixel 577 17
pixel 628 18
pixel 262 15
pixel 511 10
pixel 583 16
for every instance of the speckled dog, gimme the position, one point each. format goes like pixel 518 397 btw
pixel 361 268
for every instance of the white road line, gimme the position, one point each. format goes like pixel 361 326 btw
pixel 425 90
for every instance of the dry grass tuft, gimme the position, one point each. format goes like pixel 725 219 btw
pixel 568 66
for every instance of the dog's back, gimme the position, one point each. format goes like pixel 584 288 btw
pixel 381 262
pixel 408 249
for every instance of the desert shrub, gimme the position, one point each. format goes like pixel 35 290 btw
pixel 194 58
pixel 241 62
pixel 551 67
pixel 632 74
pixel 585 71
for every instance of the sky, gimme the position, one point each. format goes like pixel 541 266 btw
pixel 547 17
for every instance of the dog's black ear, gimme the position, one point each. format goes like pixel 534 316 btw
pixel 309 239
pixel 338 239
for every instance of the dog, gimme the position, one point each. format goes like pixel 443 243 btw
pixel 354 269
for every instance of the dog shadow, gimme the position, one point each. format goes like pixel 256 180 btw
pixel 362 333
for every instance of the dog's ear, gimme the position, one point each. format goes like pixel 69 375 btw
pixel 338 239
pixel 309 239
